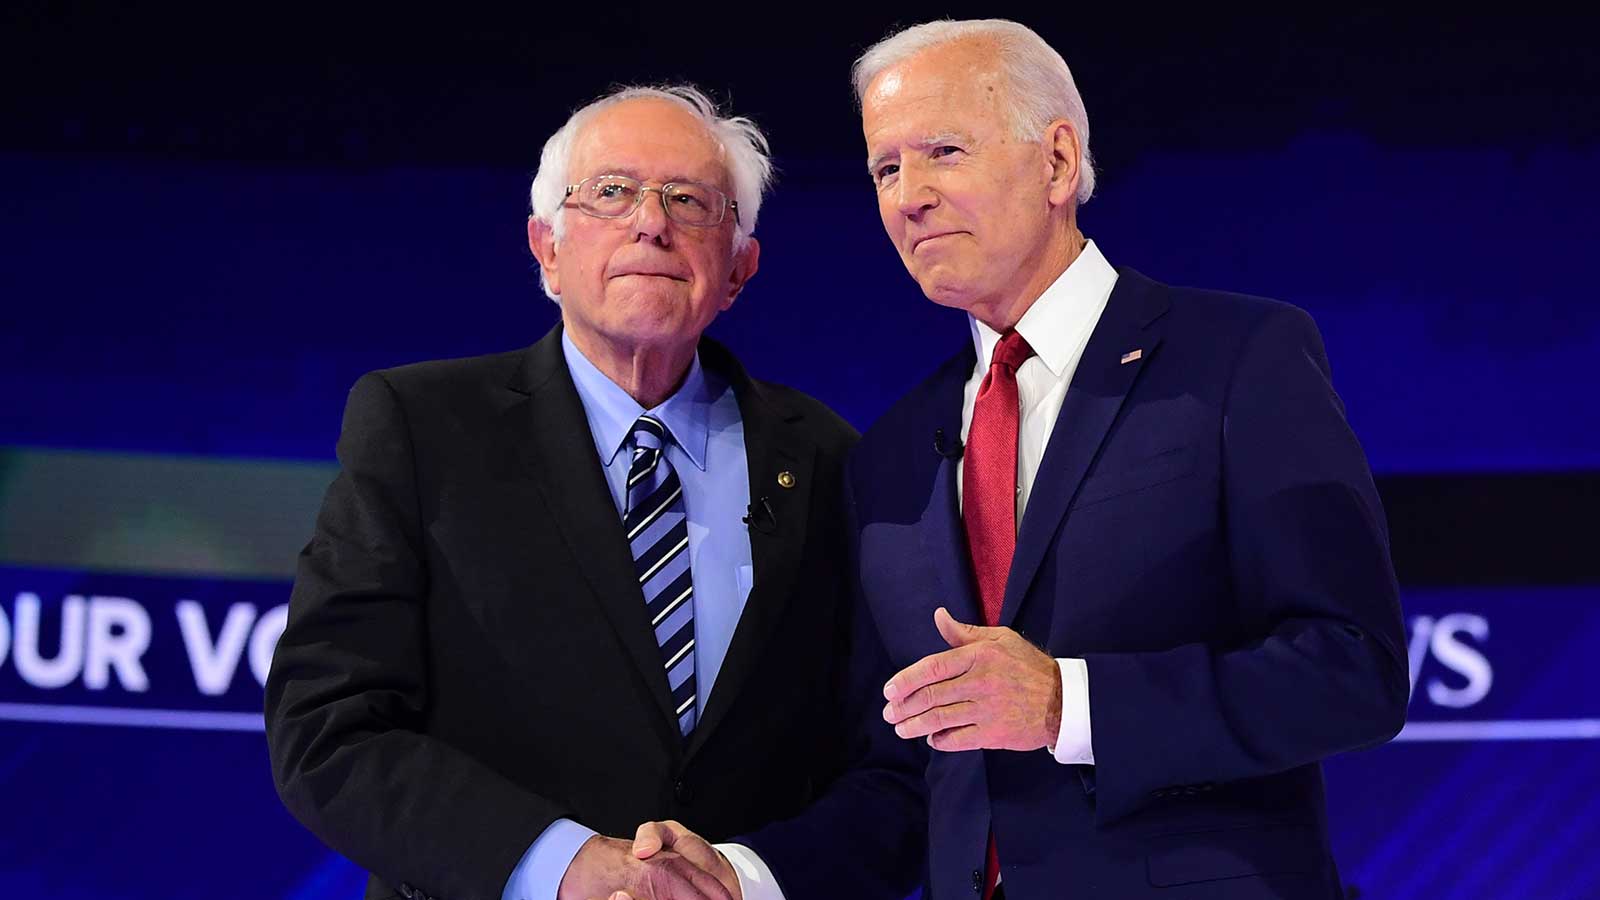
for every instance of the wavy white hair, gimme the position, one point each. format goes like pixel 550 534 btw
pixel 1041 85
pixel 747 155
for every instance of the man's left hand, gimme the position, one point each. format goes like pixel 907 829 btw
pixel 991 691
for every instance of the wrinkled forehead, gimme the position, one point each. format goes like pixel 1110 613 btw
pixel 651 139
pixel 951 88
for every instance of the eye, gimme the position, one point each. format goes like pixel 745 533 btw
pixel 886 170
pixel 946 150
pixel 612 190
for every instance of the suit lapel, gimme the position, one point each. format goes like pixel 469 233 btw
pixel 775 443
pixel 559 453
pixel 944 538
pixel 1099 387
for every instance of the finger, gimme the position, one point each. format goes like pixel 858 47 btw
pixel 666 835
pixel 940 693
pixel 928 670
pixel 677 877
pixel 692 847
pixel 960 634
pixel 956 740
pixel 940 718
pixel 650 839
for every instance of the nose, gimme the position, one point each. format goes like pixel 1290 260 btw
pixel 650 220
pixel 913 193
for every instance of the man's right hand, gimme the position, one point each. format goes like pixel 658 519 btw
pixel 653 838
pixel 605 866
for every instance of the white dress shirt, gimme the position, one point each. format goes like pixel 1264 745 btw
pixel 1057 326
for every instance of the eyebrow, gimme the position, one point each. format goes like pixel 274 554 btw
pixel 932 140
pixel 636 176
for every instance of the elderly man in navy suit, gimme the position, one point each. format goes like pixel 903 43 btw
pixel 1125 571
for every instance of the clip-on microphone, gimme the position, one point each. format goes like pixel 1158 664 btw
pixel 947 452
pixel 761 518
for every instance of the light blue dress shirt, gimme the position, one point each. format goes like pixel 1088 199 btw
pixel 707 451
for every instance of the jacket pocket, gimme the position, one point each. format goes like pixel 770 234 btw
pixel 1160 469
pixel 1233 852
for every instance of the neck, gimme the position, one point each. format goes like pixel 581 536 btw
pixel 648 373
pixel 1004 312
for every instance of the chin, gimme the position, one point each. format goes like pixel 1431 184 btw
pixel 639 335
pixel 656 305
pixel 946 291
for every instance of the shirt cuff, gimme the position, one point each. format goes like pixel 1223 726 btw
pixel 755 879
pixel 538 876
pixel 1073 745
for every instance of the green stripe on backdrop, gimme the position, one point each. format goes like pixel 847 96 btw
pixel 156 514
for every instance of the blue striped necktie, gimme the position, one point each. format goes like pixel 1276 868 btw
pixel 658 535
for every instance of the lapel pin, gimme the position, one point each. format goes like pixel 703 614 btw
pixel 786 479
pixel 1132 356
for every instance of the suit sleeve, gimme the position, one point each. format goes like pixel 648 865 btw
pixel 347 696
pixel 866 835
pixel 1319 666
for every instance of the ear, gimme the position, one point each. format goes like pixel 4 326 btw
pixel 745 264
pixel 1061 143
pixel 542 241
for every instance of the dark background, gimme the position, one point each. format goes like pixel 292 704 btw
pixel 214 219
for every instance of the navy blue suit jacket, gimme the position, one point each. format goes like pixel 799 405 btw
pixel 1204 531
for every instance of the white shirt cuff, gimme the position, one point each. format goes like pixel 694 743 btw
pixel 755 879
pixel 1073 745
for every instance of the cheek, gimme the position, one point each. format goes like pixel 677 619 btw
pixel 893 223
pixel 589 269
pixel 1010 217
pixel 583 258
pixel 711 277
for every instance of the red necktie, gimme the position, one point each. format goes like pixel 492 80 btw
pixel 989 497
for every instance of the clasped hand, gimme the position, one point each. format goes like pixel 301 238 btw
pixel 666 861
pixel 991 690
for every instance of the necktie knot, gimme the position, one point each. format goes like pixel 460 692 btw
pixel 649 433
pixel 1012 351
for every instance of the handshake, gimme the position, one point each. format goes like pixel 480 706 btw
pixel 991 690
pixel 665 861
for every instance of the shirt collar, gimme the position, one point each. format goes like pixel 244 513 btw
pixel 612 412
pixel 1056 324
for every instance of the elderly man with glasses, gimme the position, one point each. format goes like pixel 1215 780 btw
pixel 556 592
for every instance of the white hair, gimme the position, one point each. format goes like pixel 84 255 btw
pixel 1041 85
pixel 745 148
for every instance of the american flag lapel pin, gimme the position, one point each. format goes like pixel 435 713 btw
pixel 1132 356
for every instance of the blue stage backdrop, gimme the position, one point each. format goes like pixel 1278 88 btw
pixel 177 339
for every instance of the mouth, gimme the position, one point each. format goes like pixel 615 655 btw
pixel 932 237
pixel 649 274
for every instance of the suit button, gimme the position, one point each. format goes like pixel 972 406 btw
pixel 977 880
pixel 683 794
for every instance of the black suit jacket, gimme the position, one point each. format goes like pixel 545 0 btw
pixel 467 656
